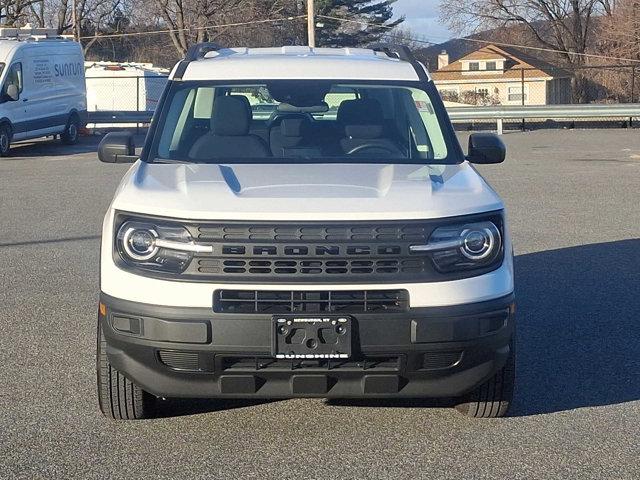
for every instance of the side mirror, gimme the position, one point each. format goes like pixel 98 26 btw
pixel 12 94
pixel 117 147
pixel 486 148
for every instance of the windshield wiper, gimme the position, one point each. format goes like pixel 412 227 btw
pixel 172 161
pixel 307 161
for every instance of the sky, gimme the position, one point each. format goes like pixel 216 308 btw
pixel 422 18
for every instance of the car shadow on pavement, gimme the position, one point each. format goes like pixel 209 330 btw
pixel 578 331
pixel 179 407
pixel 47 147
pixel 578 327
pixel 578 335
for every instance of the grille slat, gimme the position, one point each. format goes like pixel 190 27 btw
pixel 246 233
pixel 314 267
pixel 180 360
pixel 254 364
pixel 292 301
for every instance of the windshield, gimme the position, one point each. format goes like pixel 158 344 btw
pixel 304 120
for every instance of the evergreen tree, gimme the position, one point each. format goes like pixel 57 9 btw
pixel 375 15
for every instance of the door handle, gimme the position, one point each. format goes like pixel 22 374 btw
pixel 25 99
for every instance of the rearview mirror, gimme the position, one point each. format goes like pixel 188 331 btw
pixel 12 94
pixel 117 147
pixel 486 148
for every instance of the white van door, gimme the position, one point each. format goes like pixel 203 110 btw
pixel 46 96
pixel 14 109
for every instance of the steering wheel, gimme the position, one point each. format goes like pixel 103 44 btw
pixel 370 146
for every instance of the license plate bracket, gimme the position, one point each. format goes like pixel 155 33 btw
pixel 312 337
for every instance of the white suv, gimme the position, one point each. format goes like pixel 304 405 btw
pixel 303 223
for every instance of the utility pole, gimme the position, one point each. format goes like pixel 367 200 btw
pixel 311 23
pixel 74 19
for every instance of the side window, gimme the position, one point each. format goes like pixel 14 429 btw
pixel 14 77
pixel 429 143
pixel 203 108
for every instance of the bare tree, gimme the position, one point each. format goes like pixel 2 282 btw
pixel 562 25
pixel 13 13
pixel 405 36
pixel 619 36
pixel 230 23
pixel 620 32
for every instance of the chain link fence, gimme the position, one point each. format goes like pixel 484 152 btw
pixel 601 84
pixel 124 94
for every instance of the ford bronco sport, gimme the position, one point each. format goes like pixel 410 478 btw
pixel 304 223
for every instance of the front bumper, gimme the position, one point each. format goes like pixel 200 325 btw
pixel 193 352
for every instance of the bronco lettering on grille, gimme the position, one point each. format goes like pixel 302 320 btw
pixel 318 250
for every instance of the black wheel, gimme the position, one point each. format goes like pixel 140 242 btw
pixel 5 140
pixel 493 398
pixel 71 131
pixel 118 397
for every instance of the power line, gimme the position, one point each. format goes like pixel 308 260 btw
pixel 360 22
pixel 153 32
pixel 486 42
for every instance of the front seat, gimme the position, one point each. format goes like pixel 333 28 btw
pixel 363 123
pixel 291 136
pixel 229 135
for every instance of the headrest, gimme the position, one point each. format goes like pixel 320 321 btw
pixel 294 127
pixel 360 112
pixel 363 131
pixel 231 116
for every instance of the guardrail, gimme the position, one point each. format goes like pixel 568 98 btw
pixel 119 117
pixel 499 113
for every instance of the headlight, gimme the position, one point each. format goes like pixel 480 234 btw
pixel 463 247
pixel 156 246
pixel 139 243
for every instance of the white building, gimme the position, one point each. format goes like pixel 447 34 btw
pixel 499 75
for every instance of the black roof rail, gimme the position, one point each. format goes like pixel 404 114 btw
pixel 195 52
pixel 199 50
pixel 401 52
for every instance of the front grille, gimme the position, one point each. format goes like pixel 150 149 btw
pixel 278 302
pixel 440 360
pixel 180 360
pixel 338 252
pixel 312 252
pixel 261 266
pixel 267 364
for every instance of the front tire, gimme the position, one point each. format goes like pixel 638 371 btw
pixel 493 398
pixel 5 140
pixel 71 131
pixel 118 397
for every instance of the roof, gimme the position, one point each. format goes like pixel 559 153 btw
pixel 298 63
pixel 516 62
pixel 123 69
pixel 45 46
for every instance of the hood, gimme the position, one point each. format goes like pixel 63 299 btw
pixel 304 192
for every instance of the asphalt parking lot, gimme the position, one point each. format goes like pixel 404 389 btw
pixel 573 200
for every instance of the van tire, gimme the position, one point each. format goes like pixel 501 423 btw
pixel 71 131
pixel 493 398
pixel 5 140
pixel 118 397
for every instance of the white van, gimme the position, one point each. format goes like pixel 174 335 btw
pixel 43 89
